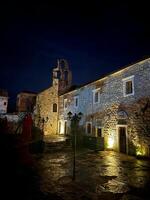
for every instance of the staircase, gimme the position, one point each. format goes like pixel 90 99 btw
pixel 56 143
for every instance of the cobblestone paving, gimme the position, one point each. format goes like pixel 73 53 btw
pixel 99 175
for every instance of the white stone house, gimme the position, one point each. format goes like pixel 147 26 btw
pixel 114 107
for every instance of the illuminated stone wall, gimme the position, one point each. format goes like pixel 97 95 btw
pixel 105 112
pixel 45 118
pixel 45 115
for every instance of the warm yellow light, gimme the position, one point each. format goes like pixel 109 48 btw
pixel 140 151
pixel 62 128
pixel 110 143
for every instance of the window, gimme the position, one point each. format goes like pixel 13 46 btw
pixel 76 101
pixel 66 77
pixel 65 103
pixel 89 127
pixel 5 103
pixel 128 86
pixel 54 107
pixel 96 96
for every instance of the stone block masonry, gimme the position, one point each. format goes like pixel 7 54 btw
pixel 115 107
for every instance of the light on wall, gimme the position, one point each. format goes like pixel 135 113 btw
pixel 110 142
pixel 140 150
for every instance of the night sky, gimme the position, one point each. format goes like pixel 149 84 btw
pixel 96 38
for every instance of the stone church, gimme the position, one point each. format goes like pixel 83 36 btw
pixel 47 101
pixel 115 107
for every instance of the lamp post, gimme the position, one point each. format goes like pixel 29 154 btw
pixel 74 125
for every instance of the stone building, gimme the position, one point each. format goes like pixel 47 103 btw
pixel 25 101
pixel 46 111
pixel 3 101
pixel 115 107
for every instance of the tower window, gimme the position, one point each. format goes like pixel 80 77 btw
pixel 54 107
pixel 66 77
pixel 58 74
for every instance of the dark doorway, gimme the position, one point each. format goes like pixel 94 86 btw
pixel 99 132
pixel 122 140
pixel 65 128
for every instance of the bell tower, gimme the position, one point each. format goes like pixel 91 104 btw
pixel 62 76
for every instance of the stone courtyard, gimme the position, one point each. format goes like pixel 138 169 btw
pixel 99 175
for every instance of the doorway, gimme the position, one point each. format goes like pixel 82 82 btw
pixel 65 128
pixel 122 139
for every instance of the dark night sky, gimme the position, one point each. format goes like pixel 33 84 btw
pixel 95 37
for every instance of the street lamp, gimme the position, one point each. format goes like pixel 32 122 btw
pixel 74 125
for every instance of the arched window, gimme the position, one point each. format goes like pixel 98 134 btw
pixel 54 107
pixel 58 75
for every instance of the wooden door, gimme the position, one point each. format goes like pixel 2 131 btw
pixel 122 140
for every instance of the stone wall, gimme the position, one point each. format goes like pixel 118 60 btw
pixel 45 118
pixel 46 110
pixel 25 102
pixel 112 100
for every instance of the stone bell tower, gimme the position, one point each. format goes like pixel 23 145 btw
pixel 62 76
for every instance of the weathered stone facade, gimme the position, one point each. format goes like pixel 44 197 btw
pixel 46 111
pixel 115 107
pixel 25 101
pixel 117 111
pixel 46 119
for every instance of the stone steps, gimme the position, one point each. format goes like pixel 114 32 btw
pixel 56 146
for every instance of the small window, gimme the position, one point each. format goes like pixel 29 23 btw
pixel 5 103
pixel 58 74
pixel 96 96
pixel 76 101
pixel 128 86
pixel 89 127
pixel 65 103
pixel 54 107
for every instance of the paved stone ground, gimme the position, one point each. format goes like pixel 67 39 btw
pixel 99 175
pixel 46 176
